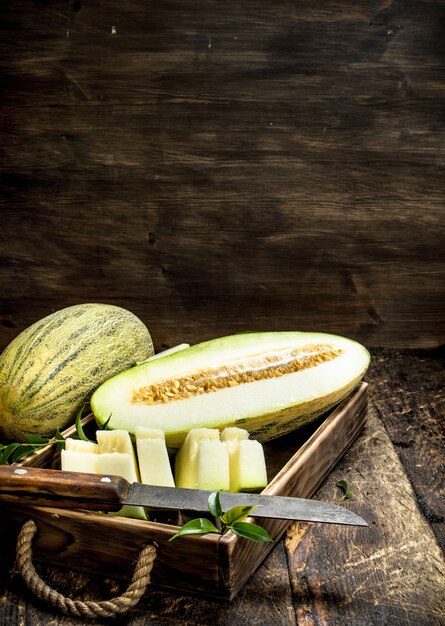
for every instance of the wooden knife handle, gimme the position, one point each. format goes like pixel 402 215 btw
pixel 61 489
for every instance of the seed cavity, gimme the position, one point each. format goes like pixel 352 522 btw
pixel 250 369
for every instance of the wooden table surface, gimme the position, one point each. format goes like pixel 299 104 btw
pixel 391 574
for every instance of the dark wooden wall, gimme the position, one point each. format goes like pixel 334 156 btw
pixel 222 166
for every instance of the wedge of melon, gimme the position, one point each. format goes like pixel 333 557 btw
pixel 161 355
pixel 203 461
pixel 247 463
pixel 187 458
pixel 154 464
pixel 116 457
pixel 267 383
pixel 79 456
pixel 213 466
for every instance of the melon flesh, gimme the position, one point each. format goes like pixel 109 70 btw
pixel 79 456
pixel 116 457
pixel 187 458
pixel 154 464
pixel 267 383
pixel 213 471
pixel 247 463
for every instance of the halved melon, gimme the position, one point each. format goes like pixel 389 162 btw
pixel 267 383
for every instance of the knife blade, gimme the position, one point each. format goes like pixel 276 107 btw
pixel 64 489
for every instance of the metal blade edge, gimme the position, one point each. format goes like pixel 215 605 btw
pixel 275 507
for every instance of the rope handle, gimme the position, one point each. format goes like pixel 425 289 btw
pixel 89 608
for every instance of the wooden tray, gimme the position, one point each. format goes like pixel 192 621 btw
pixel 209 565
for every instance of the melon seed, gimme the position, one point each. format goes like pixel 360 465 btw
pixel 231 375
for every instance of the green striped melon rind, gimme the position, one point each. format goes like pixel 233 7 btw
pixel 50 370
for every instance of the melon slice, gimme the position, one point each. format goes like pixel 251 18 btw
pixel 116 457
pixel 213 470
pixel 246 457
pixel 186 460
pixel 154 464
pixel 230 463
pixel 267 383
pixel 203 461
pixel 81 446
pixel 161 355
pixel 79 456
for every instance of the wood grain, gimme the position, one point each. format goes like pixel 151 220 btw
pixel 258 166
pixel 393 573
pixel 267 597
pixel 252 166
pixel 299 477
pixel 412 409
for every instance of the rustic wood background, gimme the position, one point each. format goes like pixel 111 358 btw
pixel 216 167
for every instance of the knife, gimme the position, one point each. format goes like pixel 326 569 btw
pixel 64 489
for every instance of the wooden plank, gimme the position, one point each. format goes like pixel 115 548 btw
pixel 408 396
pixel 392 572
pixel 261 167
pixel 88 542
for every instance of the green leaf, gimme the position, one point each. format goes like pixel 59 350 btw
pixel 79 428
pixel 60 439
pixel 250 531
pixel 35 439
pixel 215 504
pixel 237 514
pixel 346 491
pixel 198 526
pixel 20 452
pixel 13 452
pixel 7 451
pixel 233 519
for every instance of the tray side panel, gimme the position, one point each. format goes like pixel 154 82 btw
pixel 110 545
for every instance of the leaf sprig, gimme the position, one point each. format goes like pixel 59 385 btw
pixel 233 520
pixel 347 493
pixel 79 429
pixel 12 452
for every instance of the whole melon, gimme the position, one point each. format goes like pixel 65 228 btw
pixel 50 370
